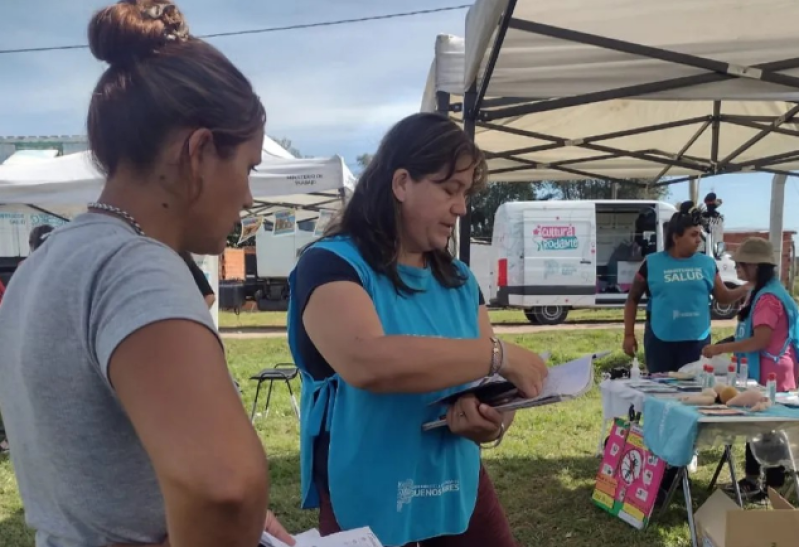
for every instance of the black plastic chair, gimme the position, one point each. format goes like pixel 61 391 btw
pixel 284 372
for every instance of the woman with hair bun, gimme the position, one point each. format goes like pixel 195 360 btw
pixel 111 393
pixel 679 282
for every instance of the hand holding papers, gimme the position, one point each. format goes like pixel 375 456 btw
pixel 567 381
pixel 362 537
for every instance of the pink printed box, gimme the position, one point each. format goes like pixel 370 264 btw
pixel 629 476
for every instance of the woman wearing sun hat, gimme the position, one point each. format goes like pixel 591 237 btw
pixel 766 336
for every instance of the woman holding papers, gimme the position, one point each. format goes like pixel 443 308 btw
pixel 766 336
pixel 383 322
pixel 124 424
pixel 679 282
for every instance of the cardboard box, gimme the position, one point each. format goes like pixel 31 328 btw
pixel 721 523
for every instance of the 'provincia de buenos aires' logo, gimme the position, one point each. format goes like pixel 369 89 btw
pixel 556 238
pixel 407 491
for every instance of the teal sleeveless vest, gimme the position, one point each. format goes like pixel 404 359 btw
pixel 680 292
pixel 745 329
pixel 384 471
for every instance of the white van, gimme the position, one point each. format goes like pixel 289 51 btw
pixel 553 256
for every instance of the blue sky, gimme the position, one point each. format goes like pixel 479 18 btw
pixel 331 90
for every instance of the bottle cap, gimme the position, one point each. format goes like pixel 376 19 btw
pixel 772 376
pixel 731 368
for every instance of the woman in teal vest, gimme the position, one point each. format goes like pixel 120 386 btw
pixel 382 323
pixel 679 282
pixel 766 336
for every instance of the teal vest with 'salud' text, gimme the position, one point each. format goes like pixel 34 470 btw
pixel 680 290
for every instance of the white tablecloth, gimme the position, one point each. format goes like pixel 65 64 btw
pixel 617 396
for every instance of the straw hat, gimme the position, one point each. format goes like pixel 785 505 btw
pixel 755 250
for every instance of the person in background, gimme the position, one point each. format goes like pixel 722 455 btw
pixel 679 282
pixel 38 236
pixel 383 321
pixel 199 279
pixel 766 337
pixel 122 456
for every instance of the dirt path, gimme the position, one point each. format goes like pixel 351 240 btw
pixel 280 332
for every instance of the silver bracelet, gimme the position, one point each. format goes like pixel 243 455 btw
pixel 504 353
pixel 498 440
pixel 496 356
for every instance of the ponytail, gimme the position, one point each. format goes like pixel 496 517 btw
pixel 765 273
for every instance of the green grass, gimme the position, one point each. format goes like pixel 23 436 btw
pixel 544 471
pixel 258 319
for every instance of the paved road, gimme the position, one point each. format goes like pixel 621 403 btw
pixel 280 332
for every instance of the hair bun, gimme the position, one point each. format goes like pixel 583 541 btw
pixel 686 207
pixel 133 29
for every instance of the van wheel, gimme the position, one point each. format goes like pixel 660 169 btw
pixel 531 316
pixel 551 315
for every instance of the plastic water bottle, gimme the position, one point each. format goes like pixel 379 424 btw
pixel 771 388
pixel 635 369
pixel 710 375
pixel 731 375
pixel 743 371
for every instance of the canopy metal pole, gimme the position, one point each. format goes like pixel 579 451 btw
pixel 444 107
pixel 775 226
pixel 693 190
pixel 469 118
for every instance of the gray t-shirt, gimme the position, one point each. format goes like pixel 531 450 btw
pixel 84 477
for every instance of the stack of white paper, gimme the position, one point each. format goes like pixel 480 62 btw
pixel 362 537
pixel 564 382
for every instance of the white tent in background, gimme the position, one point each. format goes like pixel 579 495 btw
pixel 622 89
pixel 64 185
pixel 27 156
pixel 281 180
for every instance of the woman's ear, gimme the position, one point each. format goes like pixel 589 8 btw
pixel 198 147
pixel 399 184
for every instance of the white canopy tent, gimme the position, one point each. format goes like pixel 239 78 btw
pixel 64 185
pixel 281 180
pixel 623 89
